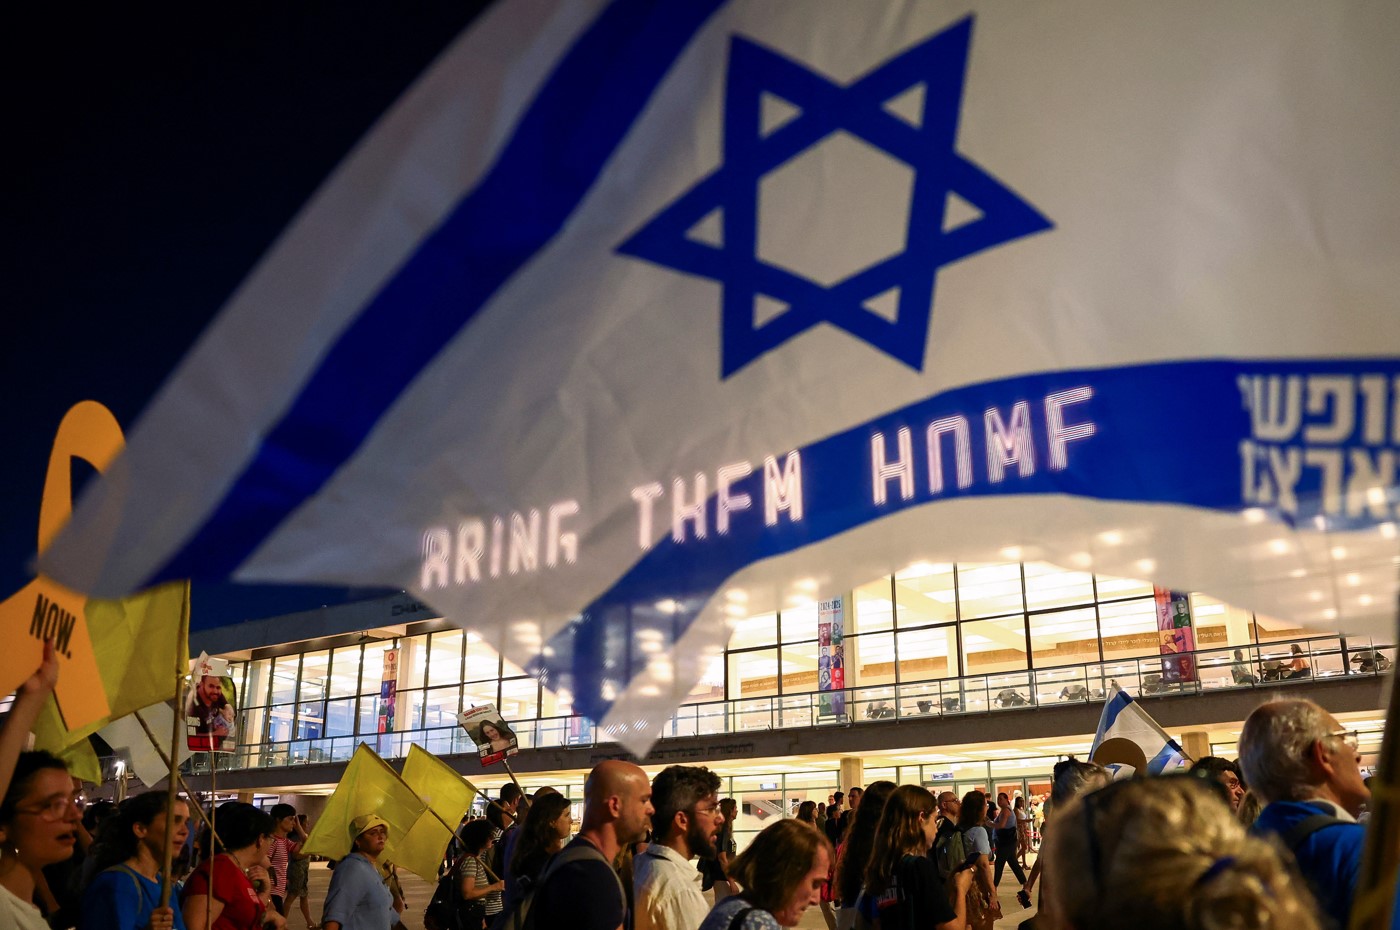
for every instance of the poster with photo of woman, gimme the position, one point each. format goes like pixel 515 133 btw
pixel 488 729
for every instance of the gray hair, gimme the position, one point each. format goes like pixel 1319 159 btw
pixel 1275 748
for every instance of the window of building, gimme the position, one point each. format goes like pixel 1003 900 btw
pixel 991 646
pixel 989 590
pixel 753 673
pixel 925 594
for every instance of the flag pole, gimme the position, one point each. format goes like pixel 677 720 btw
pixel 184 786
pixel 1380 857
pixel 172 789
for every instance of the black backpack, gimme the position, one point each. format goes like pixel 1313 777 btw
pixel 448 910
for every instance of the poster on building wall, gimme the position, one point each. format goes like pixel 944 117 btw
pixel 210 706
pixel 1175 635
pixel 488 729
pixel 831 656
pixel 389 691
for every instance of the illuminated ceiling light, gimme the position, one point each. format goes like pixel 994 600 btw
pixel 1387 530
pixel 1298 573
pixel 1011 553
pixel 649 691
pixel 1375 496
pixel 737 611
pixel 1111 538
pixel 667 606
pixel 1254 515
pixel 1365 600
pixel 1314 595
pixel 1329 614
pixel 736 596
pixel 1339 552
pixel 801 600
pixel 806 584
pixel 918 570
pixel 1354 579
pixel 1146 566
pixel 1320 522
pixel 1280 546
pixel 1081 560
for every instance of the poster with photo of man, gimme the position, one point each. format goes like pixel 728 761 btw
pixel 210 706
pixel 488 729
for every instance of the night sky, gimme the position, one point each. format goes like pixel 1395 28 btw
pixel 154 154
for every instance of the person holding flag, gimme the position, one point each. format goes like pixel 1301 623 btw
pixel 357 899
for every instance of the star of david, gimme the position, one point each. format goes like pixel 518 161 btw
pixel 926 145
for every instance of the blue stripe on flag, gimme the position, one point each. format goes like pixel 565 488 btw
pixel 1115 706
pixel 1126 459
pixel 1171 754
pixel 561 145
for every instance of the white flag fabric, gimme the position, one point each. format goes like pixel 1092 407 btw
pixel 1124 719
pixel 125 733
pixel 634 317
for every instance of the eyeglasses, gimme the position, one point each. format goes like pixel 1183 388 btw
pixel 712 809
pixel 1350 738
pixel 53 810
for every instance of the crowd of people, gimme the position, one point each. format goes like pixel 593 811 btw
pixel 1271 840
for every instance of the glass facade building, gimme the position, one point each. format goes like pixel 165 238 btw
pixel 930 639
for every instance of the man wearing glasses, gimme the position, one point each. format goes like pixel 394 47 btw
pixel 1305 766
pixel 686 822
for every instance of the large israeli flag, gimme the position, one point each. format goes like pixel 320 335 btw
pixel 632 317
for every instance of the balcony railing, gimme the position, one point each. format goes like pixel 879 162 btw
pixel 1214 670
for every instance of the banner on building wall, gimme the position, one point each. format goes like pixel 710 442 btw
pixel 389 691
pixel 1176 635
pixel 831 656
pixel 488 729
pixel 210 706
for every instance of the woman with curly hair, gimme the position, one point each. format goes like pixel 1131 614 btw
pixel 902 887
pixel 1165 854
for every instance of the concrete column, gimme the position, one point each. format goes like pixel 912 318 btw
pixel 246 797
pixel 1237 626
pixel 1196 743
pixel 852 773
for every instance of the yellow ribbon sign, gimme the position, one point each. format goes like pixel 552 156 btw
pixel 44 608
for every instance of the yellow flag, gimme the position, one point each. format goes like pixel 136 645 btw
pixel 369 786
pixel 138 643
pixel 448 797
pixel 82 762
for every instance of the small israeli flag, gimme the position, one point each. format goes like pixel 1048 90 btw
pixel 1129 741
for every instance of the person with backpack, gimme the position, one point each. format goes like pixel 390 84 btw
pixel 479 888
pixel 1164 853
pixel 125 893
pixel 579 888
pixel 903 889
pixel 1306 767
pixel 972 845
pixel 781 873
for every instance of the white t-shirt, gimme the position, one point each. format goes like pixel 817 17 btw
pixel 667 891
pixel 18 913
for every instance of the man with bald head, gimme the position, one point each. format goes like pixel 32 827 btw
pixel 579 888
pixel 1305 766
